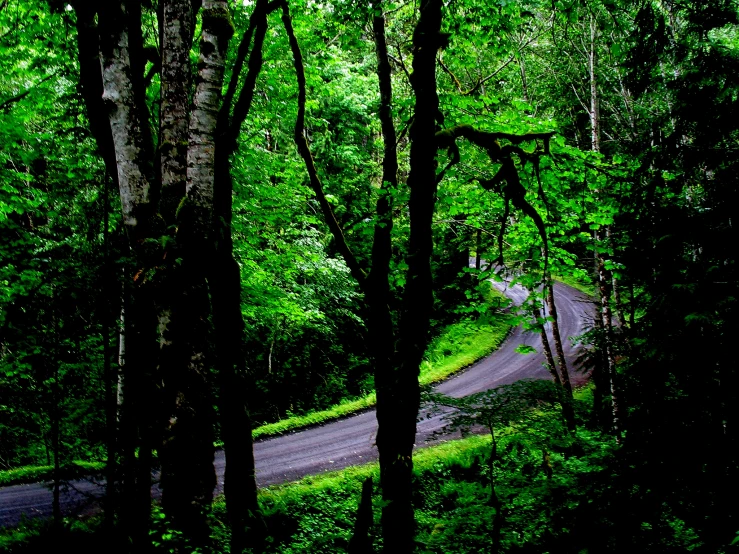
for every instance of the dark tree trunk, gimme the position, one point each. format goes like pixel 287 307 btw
pixel 568 406
pixel 224 281
pixel 397 411
pixel 547 348
pixel 110 373
pixel 361 543
pixel 601 380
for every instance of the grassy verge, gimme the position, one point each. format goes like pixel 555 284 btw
pixel 34 474
pixel 461 345
pixel 315 418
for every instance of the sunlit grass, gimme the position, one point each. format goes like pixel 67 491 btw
pixel 459 346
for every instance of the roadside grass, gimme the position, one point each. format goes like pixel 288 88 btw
pixel 459 346
pixel 34 474
pixel 584 286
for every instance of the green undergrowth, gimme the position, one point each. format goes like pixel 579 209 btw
pixel 559 491
pixel 542 473
pixel 35 474
pixel 459 346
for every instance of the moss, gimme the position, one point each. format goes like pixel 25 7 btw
pixel 177 148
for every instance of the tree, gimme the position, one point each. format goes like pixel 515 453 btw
pixel 176 202
pixel 397 353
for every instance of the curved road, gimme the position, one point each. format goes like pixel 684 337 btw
pixel 347 441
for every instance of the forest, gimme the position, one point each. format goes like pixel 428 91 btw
pixel 467 266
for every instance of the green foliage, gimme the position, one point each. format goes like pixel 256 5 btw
pixel 51 213
pixel 451 499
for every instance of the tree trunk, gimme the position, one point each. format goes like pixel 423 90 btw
pixel 224 281
pixel 600 263
pixel 614 286
pixel 121 86
pixel 568 407
pixel 601 380
pixel 188 475
pixel 110 374
pixel 606 319
pixel 478 250
pixel 594 104
pixel 397 412
pixel 56 415
pixel 360 543
pixel 551 366
pixel 176 25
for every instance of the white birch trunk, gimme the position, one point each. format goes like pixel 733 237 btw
pixel 118 94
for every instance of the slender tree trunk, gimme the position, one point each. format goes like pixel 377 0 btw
pixel 600 263
pixel 551 366
pixel 91 84
pixel 380 323
pixel 601 381
pixel 110 375
pixel 568 407
pixel 606 319
pixel 56 414
pixel 614 286
pixel 478 249
pixel 224 281
pixel 398 394
pixel 594 102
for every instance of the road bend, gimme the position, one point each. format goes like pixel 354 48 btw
pixel 349 441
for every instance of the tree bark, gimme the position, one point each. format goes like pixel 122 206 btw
pixel 135 173
pixel 607 322
pixel 174 115
pixel 91 84
pixel 170 289
pixel 110 374
pixel 135 181
pixel 594 104
pixel 551 366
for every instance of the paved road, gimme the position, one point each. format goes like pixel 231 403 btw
pixel 348 441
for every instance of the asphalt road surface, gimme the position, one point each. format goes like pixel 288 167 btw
pixel 345 442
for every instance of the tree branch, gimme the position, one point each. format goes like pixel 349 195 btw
pixel 304 150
